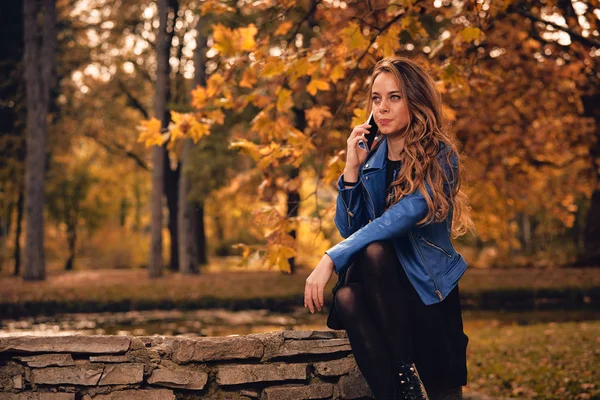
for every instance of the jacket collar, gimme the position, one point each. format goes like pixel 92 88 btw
pixel 379 157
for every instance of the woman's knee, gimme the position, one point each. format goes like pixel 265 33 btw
pixel 379 258
pixel 348 300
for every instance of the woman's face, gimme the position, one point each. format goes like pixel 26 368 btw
pixel 389 107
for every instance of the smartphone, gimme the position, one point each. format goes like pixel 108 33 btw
pixel 370 137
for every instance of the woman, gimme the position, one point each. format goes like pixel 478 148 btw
pixel 397 293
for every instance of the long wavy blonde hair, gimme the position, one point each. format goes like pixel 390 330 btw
pixel 424 136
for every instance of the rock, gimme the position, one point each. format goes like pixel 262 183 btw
pixel 217 348
pixel 171 375
pixel 47 360
pixel 122 374
pixel 9 373
pixel 253 394
pixel 271 341
pixel 336 367
pixel 65 344
pixel 78 375
pixel 247 373
pixel 149 394
pixel 354 386
pixel 310 335
pixel 110 359
pixel 37 396
pixel 18 382
pixel 297 347
pixel 306 392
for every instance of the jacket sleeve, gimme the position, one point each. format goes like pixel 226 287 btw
pixel 397 220
pixel 350 213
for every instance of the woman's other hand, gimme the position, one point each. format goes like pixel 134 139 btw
pixel 315 284
pixel 355 156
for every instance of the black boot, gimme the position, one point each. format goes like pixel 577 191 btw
pixel 410 386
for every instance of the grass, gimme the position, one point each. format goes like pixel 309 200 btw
pixel 540 361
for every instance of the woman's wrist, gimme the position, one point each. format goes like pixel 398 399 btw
pixel 350 175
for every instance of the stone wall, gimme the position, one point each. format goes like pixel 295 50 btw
pixel 277 365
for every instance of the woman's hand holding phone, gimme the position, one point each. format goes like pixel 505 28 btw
pixel 355 155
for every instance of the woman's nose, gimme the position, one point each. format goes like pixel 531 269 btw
pixel 383 107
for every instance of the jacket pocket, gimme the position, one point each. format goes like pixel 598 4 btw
pixel 436 247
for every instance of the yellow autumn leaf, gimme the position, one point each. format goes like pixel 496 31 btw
pixel 337 73
pixel 273 67
pixel 198 130
pixel 302 67
pixel 248 78
pixel 216 116
pixel 215 7
pixel 353 37
pixel 389 41
pixel 413 26
pixel 245 37
pixel 199 97
pixel 335 167
pixel 247 147
pixel 283 28
pixel 214 84
pixel 284 100
pixel 317 115
pixel 360 116
pixel 228 42
pixel 187 126
pixel 470 34
pixel 316 85
pixel 150 133
pixel 223 40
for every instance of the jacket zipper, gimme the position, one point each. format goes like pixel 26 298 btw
pixel 348 212
pixel 370 198
pixel 437 290
pixel 436 246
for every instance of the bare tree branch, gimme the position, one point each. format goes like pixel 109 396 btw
pixel 119 149
pixel 133 100
pixel 588 41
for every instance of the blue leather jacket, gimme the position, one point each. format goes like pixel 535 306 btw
pixel 431 263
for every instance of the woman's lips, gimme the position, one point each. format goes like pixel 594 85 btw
pixel 384 121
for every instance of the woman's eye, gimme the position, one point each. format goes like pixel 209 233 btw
pixel 395 97
pixel 375 99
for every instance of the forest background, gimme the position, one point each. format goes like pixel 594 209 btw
pixel 158 134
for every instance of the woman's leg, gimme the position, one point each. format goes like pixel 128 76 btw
pixel 387 300
pixel 366 340
pixel 373 310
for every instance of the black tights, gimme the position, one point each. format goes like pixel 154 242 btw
pixel 373 307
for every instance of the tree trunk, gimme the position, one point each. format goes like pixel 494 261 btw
pixel 38 74
pixel 171 176
pixel 192 240
pixel 72 242
pixel 158 159
pixel 591 232
pixel 172 193
pixel 187 253
pixel 20 204
pixel 200 233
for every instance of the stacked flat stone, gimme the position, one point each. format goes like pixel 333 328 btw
pixel 279 365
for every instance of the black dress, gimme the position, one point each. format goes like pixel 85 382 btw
pixel 438 338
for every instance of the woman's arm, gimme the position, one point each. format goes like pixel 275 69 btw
pixel 350 213
pixel 396 221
